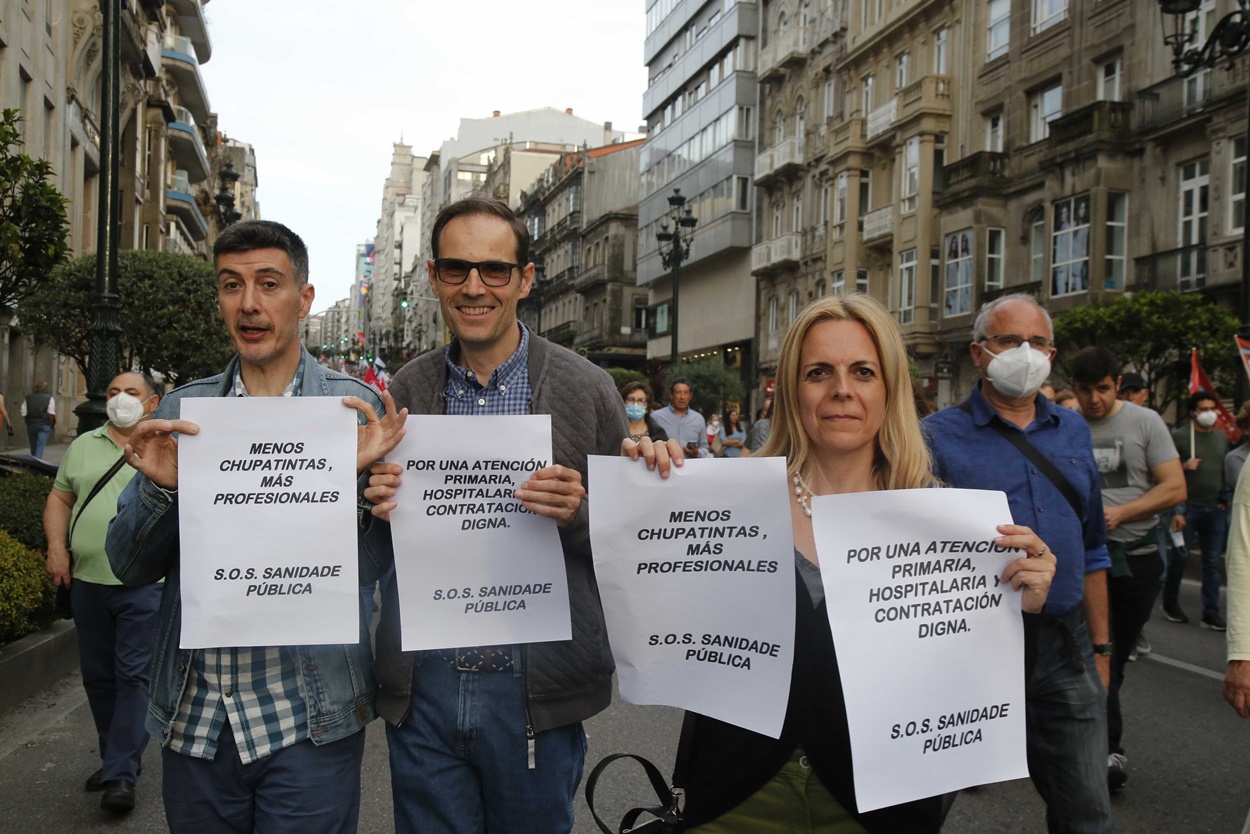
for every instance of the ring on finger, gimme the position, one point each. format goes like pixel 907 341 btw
pixel 1039 554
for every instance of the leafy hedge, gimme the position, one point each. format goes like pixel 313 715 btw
pixel 27 596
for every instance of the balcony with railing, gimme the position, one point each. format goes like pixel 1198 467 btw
pixel 785 155
pixel 1171 100
pixel 178 58
pixel 180 202
pixel 774 254
pixel 814 240
pixel 783 49
pixel 981 173
pixel 879 224
pixel 186 146
pixel 1099 123
pixel 929 95
pixel 1183 268
pixel 566 224
pixel 881 120
pixel 607 336
pixel 846 137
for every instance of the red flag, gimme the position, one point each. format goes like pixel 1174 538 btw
pixel 374 381
pixel 1199 381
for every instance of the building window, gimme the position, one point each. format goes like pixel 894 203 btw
pixel 779 128
pixel 1044 107
pixel 772 314
pixel 1237 190
pixel 640 314
pixel 1192 234
pixel 941 56
pixel 907 286
pixel 746 123
pixel 999 33
pixel 796 212
pixel 794 307
pixel 820 288
pixel 861 280
pixel 1069 256
pixel 776 220
pixel 994 242
pixel 994 132
pixel 742 193
pixel 1046 13
pixel 1037 250
pixel 910 184
pixel 900 70
pixel 828 98
pixel 865 191
pixel 838 285
pixel 1109 81
pixel 1199 23
pixel 824 203
pixel 839 199
pixel 867 101
pixel 958 296
pixel 1117 239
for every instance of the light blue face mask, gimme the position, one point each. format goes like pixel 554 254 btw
pixel 635 412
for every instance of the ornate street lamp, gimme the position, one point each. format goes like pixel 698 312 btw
pixel 225 196
pixel 674 250
pixel 1229 38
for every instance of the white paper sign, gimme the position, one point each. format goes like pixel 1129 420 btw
pixel 930 646
pixel 267 522
pixel 474 567
pixel 696 574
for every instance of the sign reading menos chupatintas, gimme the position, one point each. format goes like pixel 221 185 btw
pixel 930 643
pixel 267 522
pixel 474 566
pixel 696 573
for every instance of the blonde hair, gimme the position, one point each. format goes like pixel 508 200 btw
pixel 902 459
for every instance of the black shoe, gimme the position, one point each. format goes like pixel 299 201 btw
pixel 1116 773
pixel 94 783
pixel 119 796
pixel 1175 614
pixel 1214 622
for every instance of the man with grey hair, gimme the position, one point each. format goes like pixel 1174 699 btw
pixel 1007 437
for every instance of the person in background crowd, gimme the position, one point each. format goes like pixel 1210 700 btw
pixel 715 447
pixel 681 422
pixel 761 428
pixel 116 625
pixel 1133 388
pixel 5 425
pixel 732 436
pixel 1235 460
pixel 39 411
pixel 1048 391
pixel 1203 448
pixel 1066 399
pixel 1237 673
pixel 984 444
pixel 1141 477
pixel 637 397
pixel 844 356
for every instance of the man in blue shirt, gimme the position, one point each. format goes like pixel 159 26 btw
pixel 681 422
pixel 1013 343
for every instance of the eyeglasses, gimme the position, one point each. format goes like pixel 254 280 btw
pixel 1010 341
pixel 456 271
pixel 635 400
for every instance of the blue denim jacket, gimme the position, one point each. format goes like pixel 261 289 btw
pixel 335 681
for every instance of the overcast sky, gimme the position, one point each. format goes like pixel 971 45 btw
pixel 322 88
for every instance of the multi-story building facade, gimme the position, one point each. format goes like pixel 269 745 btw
pixel 396 247
pixel 50 68
pixel 700 110
pixel 583 219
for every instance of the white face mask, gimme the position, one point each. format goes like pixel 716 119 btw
pixel 124 410
pixel 1019 372
pixel 1206 419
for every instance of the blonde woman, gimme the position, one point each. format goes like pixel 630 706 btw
pixel 845 420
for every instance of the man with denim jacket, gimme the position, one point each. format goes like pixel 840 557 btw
pixel 264 739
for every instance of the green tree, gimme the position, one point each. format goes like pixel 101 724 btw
pixel 33 228
pixel 1152 333
pixel 713 386
pixel 169 315
pixel 620 376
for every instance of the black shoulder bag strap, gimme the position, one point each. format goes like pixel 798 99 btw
pixel 1021 442
pixel 95 490
pixel 667 816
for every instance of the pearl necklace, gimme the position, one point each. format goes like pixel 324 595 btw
pixel 801 493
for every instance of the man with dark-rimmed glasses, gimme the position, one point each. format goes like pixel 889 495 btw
pixel 489 738
pixel 1008 437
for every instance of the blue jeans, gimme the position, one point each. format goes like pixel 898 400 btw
pixel 116 627
pixel 1210 525
pixel 302 789
pixel 460 762
pixel 38 437
pixel 1067 728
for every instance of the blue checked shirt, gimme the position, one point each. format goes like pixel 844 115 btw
pixel 256 688
pixel 507 392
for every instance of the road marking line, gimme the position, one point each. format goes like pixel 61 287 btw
pixel 1188 667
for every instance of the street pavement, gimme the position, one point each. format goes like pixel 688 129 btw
pixel 1189 757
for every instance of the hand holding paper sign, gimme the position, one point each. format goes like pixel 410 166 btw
pixel 384 480
pixel 153 450
pixel 376 436
pixel 555 492
pixel 1034 572
pixel 661 455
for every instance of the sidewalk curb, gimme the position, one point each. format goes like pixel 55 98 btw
pixel 35 662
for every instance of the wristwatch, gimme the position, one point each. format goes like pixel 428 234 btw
pixel 1107 649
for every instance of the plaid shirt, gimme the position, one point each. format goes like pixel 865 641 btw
pixel 507 392
pixel 256 688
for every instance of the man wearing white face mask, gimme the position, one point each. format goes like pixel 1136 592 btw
pixel 116 625
pixel 1202 448
pixel 1008 437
